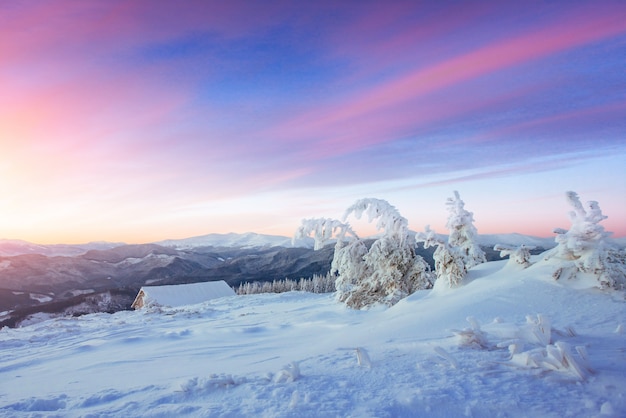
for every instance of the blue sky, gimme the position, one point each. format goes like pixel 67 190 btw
pixel 140 121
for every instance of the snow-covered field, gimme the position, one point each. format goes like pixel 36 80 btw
pixel 535 347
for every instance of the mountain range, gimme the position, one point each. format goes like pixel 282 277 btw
pixel 100 276
pixel 243 241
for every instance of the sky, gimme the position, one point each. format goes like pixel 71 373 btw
pixel 138 121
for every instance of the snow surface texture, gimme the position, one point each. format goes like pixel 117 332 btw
pixel 511 342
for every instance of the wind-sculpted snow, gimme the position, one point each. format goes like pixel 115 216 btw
pixel 510 342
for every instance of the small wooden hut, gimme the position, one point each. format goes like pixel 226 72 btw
pixel 181 294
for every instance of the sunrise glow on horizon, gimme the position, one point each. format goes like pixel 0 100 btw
pixel 149 120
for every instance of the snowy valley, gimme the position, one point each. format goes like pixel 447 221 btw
pixel 107 279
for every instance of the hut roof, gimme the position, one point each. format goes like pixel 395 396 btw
pixel 182 294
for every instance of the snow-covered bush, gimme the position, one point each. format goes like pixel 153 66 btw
pixel 530 346
pixel 517 255
pixel 289 373
pixel 390 270
pixel 585 248
pixel 214 382
pixel 472 336
pixel 546 355
pixel 463 233
pixel 554 357
pixel 449 267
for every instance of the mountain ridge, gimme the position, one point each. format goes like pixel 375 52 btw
pixel 248 240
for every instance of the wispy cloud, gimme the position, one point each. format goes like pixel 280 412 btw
pixel 144 106
pixel 390 109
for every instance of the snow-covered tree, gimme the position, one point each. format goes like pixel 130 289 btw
pixel 391 270
pixel 387 272
pixel 518 255
pixel 449 266
pixel 323 230
pixel 315 284
pixel 585 246
pixel 463 233
pixel 348 264
pixel 349 267
pixel 461 252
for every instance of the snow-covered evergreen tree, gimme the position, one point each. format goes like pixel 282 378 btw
pixel 449 266
pixel 390 270
pixel 585 247
pixel 518 255
pixel 463 233
pixel 348 264
pixel 349 267
pixel 387 272
pixel 315 284
pixel 461 252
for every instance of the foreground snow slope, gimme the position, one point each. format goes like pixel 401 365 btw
pixel 297 354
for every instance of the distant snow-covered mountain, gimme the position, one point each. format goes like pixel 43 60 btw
pixel 247 240
pixel 516 240
pixel 253 240
pixel 13 247
pixel 250 240
pixel 529 240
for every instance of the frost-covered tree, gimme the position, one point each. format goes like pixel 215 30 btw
pixel 387 272
pixel 461 252
pixel 585 247
pixel 349 267
pixel 390 270
pixel 463 233
pixel 315 284
pixel 323 230
pixel 518 255
pixel 449 266
pixel 348 264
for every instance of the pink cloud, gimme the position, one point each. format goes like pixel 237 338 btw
pixel 392 33
pixel 359 112
pixel 66 24
pixel 573 117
